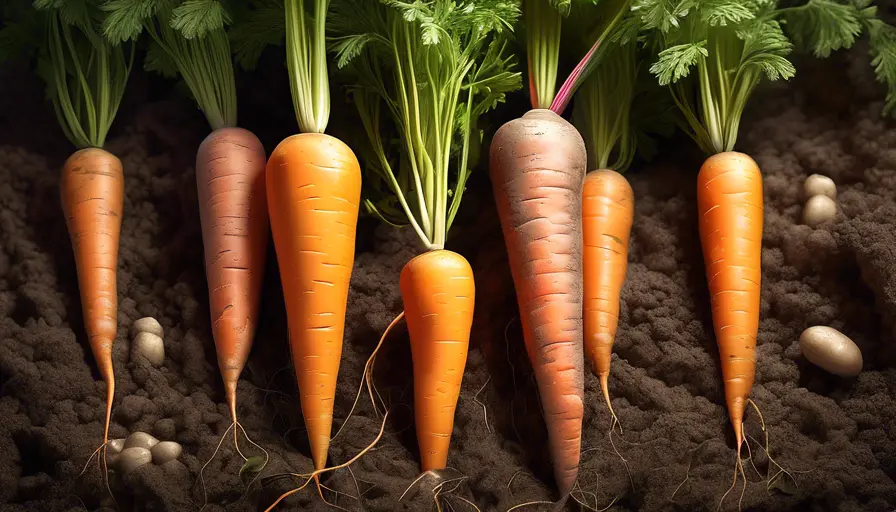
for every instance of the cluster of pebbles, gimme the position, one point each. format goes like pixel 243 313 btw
pixel 147 340
pixel 821 200
pixel 126 455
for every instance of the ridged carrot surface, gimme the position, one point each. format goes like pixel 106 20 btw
pixel 438 292
pixel 233 211
pixel 314 188
pixel 92 190
pixel 730 212
pixel 537 167
pixel 608 207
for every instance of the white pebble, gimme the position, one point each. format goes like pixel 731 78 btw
pixel 140 440
pixel 149 346
pixel 166 451
pixel 818 185
pixel 147 324
pixel 819 209
pixel 831 350
pixel 115 446
pixel 132 458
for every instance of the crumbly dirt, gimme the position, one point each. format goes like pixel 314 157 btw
pixel 837 436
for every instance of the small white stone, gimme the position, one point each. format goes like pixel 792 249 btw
pixel 149 346
pixel 146 324
pixel 818 185
pixel 140 440
pixel 115 446
pixel 166 451
pixel 132 458
pixel 831 350
pixel 819 209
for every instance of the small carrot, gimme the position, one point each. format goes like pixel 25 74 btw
pixel 230 167
pixel 92 187
pixel 314 189
pixel 438 293
pixel 537 166
pixel 607 215
pixel 729 211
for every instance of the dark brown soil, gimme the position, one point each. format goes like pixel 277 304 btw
pixel 837 435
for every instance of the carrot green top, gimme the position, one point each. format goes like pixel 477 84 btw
pixel 189 39
pixel 436 66
pixel 735 43
pixel 85 74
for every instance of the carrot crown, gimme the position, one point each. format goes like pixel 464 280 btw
pixel 85 74
pixel 188 38
pixel 733 44
pixel 436 66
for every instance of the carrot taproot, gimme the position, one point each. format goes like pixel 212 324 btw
pixel 607 216
pixel 92 193
pixel 537 168
pixel 729 201
pixel 313 185
pixel 438 292
pixel 230 165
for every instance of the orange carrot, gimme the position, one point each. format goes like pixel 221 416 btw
pixel 607 214
pixel 537 166
pixel 92 187
pixel 230 167
pixel 314 188
pixel 438 293
pixel 729 199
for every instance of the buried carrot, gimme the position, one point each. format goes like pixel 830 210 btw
pixel 437 154
pixel 438 293
pixel 314 189
pixel 607 215
pixel 86 78
pixel 230 165
pixel 729 213
pixel 537 166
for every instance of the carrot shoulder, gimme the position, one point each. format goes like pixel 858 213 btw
pixel 233 212
pixel 314 189
pixel 730 210
pixel 537 166
pixel 92 190
pixel 607 216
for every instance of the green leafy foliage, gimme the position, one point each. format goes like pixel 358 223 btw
pixel 823 26
pixel 196 18
pixel 187 39
pixel 85 74
pixel 262 25
pixel 676 62
pixel 423 74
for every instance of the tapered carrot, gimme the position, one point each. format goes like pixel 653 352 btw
pixel 537 166
pixel 233 212
pixel 438 293
pixel 314 188
pixel 607 214
pixel 92 189
pixel 729 201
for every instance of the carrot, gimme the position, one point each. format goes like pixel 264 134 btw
pixel 314 188
pixel 438 293
pixel 230 167
pixel 422 184
pixel 92 189
pixel 607 214
pixel 537 166
pixel 729 203
pixel 86 78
